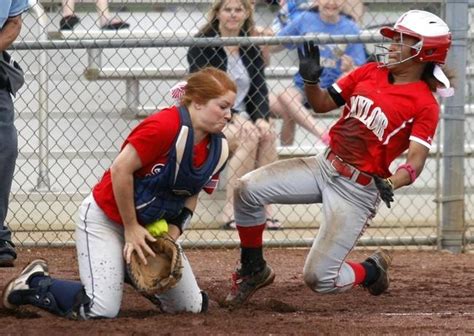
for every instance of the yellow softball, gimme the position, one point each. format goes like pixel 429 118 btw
pixel 157 228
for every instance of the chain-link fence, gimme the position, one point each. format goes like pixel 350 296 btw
pixel 86 89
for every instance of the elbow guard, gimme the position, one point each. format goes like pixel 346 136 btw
pixel 410 170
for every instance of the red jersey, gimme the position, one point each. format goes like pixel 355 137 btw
pixel 152 139
pixel 380 119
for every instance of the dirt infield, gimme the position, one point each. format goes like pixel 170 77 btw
pixel 430 293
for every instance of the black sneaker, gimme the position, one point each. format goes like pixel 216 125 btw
pixel 68 22
pixel 382 260
pixel 7 253
pixel 18 287
pixel 243 287
pixel 115 25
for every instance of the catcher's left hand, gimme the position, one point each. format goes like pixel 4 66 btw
pixel 161 272
pixel 385 187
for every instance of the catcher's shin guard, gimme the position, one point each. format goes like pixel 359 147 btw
pixel 18 292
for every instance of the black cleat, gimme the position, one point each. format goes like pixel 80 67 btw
pixel 382 260
pixel 243 287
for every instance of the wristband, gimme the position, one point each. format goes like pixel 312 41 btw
pixel 310 82
pixel 182 220
pixel 410 170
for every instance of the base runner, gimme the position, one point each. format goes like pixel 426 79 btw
pixel 389 107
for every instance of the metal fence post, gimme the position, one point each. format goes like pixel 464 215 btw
pixel 452 199
pixel 42 184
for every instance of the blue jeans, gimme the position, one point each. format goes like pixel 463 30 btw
pixel 8 155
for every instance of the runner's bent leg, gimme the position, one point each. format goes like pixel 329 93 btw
pixel 348 207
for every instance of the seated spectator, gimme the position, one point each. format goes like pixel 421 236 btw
pixel 337 60
pixel 70 19
pixel 251 137
pixel 289 9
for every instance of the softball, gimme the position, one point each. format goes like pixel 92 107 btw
pixel 157 228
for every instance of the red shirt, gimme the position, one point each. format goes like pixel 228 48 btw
pixel 152 139
pixel 380 119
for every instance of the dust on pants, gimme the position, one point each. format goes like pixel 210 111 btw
pixel 99 244
pixel 347 208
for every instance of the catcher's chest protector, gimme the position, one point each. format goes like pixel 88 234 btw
pixel 162 195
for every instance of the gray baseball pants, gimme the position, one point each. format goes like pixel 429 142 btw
pixel 8 155
pixel 347 207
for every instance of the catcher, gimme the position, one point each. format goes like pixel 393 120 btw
pixel 162 166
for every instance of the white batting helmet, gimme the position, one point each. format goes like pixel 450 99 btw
pixel 431 31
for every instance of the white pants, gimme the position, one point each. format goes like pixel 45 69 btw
pixel 99 243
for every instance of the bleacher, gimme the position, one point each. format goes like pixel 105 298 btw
pixel 99 69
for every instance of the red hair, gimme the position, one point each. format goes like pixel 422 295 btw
pixel 206 84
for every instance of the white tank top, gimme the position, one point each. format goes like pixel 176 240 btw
pixel 237 71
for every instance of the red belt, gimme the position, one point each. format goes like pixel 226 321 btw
pixel 346 170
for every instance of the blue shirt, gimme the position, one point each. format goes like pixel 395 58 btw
pixel 11 8
pixel 309 22
pixel 288 12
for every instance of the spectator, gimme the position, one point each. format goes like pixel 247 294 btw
pixel 289 9
pixel 337 59
pixel 70 19
pixel 109 228
pixel 252 140
pixel 11 79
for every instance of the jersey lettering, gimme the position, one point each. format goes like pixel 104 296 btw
pixel 375 119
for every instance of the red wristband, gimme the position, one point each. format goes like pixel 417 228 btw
pixel 410 170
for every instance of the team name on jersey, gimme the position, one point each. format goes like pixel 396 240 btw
pixel 372 117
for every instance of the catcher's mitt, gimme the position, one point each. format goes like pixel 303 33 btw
pixel 162 272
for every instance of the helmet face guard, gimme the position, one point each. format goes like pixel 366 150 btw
pixel 382 51
pixel 432 33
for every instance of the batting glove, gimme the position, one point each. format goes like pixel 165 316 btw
pixel 385 187
pixel 310 67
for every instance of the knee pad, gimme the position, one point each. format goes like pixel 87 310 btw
pixel 81 308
